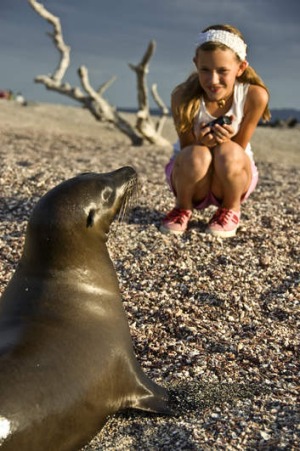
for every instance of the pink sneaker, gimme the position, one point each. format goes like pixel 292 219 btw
pixel 176 221
pixel 224 223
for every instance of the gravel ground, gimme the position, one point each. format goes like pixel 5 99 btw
pixel 216 321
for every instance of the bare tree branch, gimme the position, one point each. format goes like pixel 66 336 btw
pixel 144 122
pixel 102 88
pixel 164 109
pixel 141 70
pixel 57 38
pixel 92 99
pixel 104 106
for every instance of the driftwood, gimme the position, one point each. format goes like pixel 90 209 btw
pixel 93 100
pixel 144 122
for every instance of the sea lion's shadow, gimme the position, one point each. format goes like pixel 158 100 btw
pixel 186 398
pixel 189 397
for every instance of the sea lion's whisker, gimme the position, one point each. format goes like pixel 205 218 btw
pixel 129 199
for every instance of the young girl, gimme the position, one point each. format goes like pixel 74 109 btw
pixel 213 164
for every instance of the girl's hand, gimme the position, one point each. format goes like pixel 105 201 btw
pixel 205 136
pixel 222 133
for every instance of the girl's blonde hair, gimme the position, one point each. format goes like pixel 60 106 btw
pixel 190 91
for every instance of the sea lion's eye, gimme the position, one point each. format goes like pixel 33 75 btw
pixel 90 218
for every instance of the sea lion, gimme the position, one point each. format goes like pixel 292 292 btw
pixel 66 355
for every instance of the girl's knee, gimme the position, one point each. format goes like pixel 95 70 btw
pixel 196 156
pixel 229 156
pixel 192 164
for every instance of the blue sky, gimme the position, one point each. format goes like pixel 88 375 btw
pixel 106 35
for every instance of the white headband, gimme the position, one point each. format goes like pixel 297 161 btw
pixel 231 40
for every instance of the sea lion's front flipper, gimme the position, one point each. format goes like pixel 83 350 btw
pixel 149 396
pixel 153 403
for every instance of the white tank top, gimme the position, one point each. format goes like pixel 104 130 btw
pixel 237 110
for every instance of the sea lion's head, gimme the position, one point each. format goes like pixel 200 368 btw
pixel 78 212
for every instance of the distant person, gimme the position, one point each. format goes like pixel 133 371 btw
pixel 19 98
pixel 213 164
pixel 5 95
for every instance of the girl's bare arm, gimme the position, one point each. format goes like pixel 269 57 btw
pixel 256 102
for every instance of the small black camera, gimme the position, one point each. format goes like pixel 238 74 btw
pixel 222 120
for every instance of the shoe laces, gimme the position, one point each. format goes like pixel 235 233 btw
pixel 178 215
pixel 223 215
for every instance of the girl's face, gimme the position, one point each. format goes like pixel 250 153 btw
pixel 218 70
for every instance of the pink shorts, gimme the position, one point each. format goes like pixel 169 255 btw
pixel 210 199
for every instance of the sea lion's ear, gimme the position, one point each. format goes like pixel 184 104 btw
pixel 90 218
pixel 106 194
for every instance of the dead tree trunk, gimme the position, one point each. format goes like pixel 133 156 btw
pixel 144 122
pixel 92 99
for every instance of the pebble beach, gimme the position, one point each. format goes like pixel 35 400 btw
pixel 215 321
